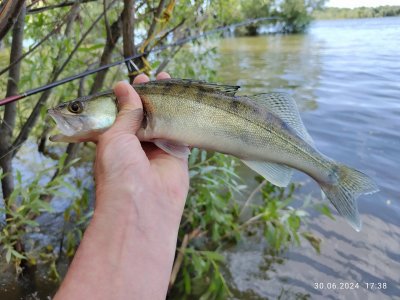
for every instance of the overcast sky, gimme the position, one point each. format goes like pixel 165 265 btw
pixel 358 3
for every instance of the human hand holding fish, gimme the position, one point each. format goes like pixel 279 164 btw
pixel 265 131
pixel 128 249
pixel 121 159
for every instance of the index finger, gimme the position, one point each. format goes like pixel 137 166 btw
pixel 163 75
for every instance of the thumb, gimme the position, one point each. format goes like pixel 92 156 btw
pixel 130 109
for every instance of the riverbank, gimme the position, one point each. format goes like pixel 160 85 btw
pixel 333 13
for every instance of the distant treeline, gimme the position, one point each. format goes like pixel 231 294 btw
pixel 360 12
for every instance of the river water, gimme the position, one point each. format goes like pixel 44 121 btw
pixel 345 77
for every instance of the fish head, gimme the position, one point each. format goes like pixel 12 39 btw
pixel 84 116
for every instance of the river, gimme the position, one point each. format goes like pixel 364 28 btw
pixel 345 77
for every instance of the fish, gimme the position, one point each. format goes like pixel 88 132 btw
pixel 265 131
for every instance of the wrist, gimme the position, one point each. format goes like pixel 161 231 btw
pixel 117 248
pixel 152 216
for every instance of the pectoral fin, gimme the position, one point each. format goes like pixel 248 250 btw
pixel 277 174
pixel 177 150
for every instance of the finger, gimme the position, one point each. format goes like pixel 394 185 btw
pixel 163 75
pixel 130 109
pixel 141 78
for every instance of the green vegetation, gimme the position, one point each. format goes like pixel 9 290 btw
pixel 212 222
pixel 360 12
pixel 61 41
pixel 293 16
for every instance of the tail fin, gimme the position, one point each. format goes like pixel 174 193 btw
pixel 343 194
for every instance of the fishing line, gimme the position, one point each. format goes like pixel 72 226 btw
pixel 129 59
pixel 12 149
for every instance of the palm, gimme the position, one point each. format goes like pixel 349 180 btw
pixel 126 159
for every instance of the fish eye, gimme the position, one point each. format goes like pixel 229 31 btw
pixel 75 107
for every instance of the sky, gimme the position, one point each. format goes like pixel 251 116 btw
pixel 358 3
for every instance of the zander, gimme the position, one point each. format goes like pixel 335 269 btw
pixel 265 131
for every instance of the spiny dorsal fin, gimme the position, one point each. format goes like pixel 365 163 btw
pixel 277 174
pixel 284 106
pixel 230 90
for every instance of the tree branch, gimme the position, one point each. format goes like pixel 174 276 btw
pixel 56 29
pixel 153 25
pixel 109 47
pixel 8 124
pixel 30 122
pixel 8 15
pixel 64 4
pixel 167 60
pixel 128 31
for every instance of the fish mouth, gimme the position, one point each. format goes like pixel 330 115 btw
pixel 68 125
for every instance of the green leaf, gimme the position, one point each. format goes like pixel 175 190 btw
pixel 18 177
pixel 31 223
pixel 193 156
pixel 314 241
pixel 324 209
pixel 186 281
pixel 8 255
pixel 17 254
pixel 213 255
pixel 91 48
pixel 155 64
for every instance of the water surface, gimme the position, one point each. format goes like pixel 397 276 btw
pixel 344 75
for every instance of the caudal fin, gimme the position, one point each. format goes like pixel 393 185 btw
pixel 349 186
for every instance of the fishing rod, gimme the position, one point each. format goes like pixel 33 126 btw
pixel 125 60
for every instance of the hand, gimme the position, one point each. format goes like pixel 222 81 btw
pixel 144 170
pixel 128 249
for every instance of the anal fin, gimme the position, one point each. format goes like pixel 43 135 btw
pixel 277 174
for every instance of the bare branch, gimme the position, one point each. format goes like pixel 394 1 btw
pixel 30 122
pixel 128 31
pixel 8 15
pixel 33 2
pixel 64 4
pixel 8 124
pixel 168 32
pixel 109 47
pixel 153 25
pixel 56 29
pixel 71 17
pixel 181 251
pixel 167 60
pixel 178 261
pixel 108 30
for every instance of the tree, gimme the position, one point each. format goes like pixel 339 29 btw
pixel 297 14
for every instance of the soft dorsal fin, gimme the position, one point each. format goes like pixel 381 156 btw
pixel 284 106
pixel 221 88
